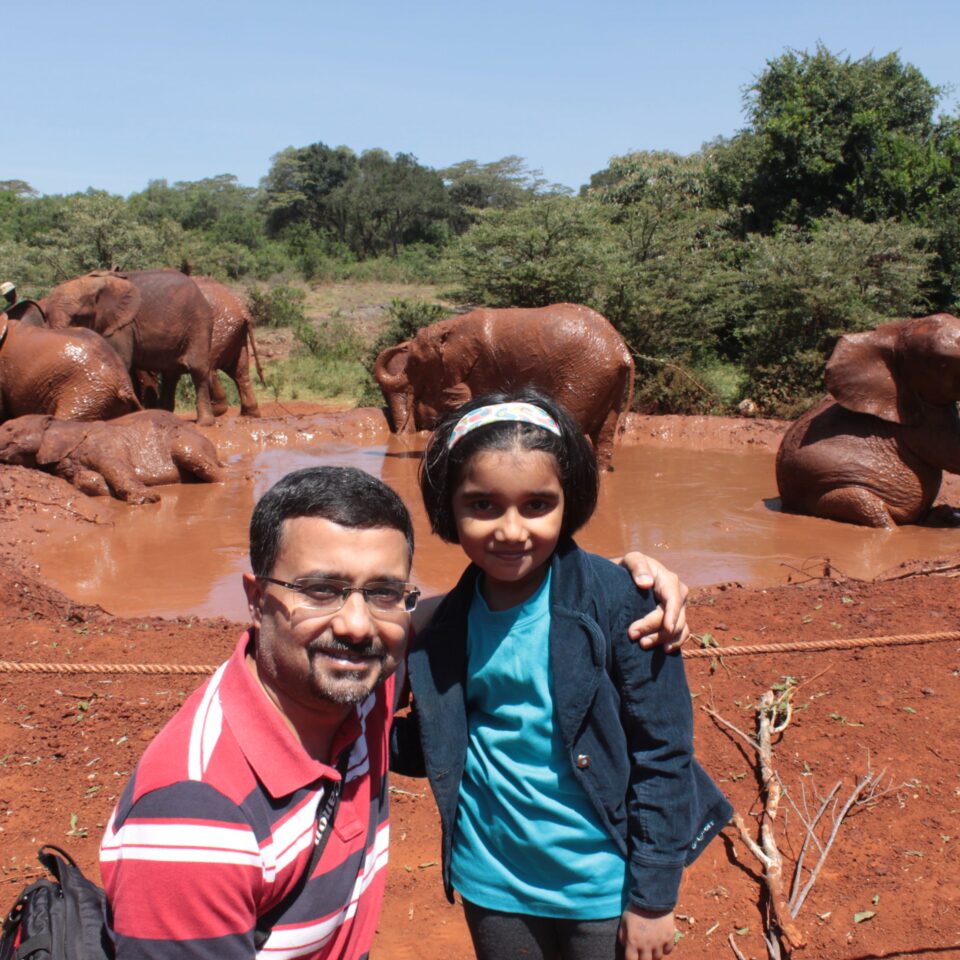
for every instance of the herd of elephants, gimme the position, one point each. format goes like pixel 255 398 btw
pixel 88 378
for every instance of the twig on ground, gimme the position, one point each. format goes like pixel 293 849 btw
pixel 774 713
pixel 68 509
pixel 735 948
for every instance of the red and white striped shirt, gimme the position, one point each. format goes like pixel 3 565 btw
pixel 217 825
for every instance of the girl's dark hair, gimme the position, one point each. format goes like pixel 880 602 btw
pixel 442 468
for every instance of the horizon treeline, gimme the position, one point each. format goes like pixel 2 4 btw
pixel 730 272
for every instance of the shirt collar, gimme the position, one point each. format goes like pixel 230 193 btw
pixel 272 749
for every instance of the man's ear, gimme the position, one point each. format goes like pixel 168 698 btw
pixel 254 591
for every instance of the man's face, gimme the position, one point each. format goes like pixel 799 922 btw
pixel 309 662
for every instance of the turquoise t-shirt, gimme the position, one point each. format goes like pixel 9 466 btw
pixel 527 838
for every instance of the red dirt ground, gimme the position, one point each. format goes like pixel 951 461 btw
pixel 889 888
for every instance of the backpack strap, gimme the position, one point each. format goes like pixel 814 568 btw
pixel 326 813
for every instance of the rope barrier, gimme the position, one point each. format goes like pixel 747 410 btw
pixel 11 666
pixel 796 646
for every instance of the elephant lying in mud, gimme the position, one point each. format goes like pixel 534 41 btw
pixel 69 374
pixel 873 452
pixel 121 457
pixel 566 350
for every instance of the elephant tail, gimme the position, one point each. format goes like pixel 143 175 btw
pixel 253 349
pixel 626 397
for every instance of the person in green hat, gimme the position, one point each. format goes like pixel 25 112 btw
pixel 8 293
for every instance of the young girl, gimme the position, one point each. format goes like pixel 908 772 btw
pixel 559 751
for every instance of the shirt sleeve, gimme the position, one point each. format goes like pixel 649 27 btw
pixel 183 874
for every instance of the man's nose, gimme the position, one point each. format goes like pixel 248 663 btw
pixel 353 619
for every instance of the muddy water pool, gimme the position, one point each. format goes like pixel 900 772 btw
pixel 711 516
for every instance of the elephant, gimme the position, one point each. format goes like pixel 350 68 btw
pixel 69 374
pixel 232 329
pixel 568 351
pixel 873 452
pixel 122 457
pixel 156 320
pixel 29 311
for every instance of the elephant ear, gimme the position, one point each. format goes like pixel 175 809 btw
pixel 118 302
pixel 58 440
pixel 863 375
pixel 456 396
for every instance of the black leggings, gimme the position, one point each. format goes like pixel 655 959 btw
pixel 519 936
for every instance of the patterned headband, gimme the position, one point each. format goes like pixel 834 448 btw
pixel 497 412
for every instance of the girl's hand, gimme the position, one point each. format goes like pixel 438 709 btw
pixel 668 623
pixel 645 935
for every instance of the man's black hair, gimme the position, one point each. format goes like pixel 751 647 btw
pixel 343 495
pixel 441 469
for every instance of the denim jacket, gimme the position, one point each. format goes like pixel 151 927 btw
pixel 624 717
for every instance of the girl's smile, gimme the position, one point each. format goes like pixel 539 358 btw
pixel 509 513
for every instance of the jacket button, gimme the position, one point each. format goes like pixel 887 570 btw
pixel 583 761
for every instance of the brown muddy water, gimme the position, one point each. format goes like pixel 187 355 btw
pixel 711 516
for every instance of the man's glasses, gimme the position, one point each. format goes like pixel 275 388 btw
pixel 325 595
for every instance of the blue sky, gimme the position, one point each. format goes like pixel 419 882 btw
pixel 112 95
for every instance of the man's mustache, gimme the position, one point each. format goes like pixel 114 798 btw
pixel 336 646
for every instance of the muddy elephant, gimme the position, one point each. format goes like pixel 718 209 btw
pixel 566 350
pixel 232 331
pixel 873 452
pixel 29 311
pixel 122 457
pixel 70 374
pixel 156 320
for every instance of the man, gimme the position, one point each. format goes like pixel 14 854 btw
pixel 8 295
pixel 213 845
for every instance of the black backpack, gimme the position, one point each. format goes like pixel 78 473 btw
pixel 59 919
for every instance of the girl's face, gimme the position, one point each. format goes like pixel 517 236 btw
pixel 509 512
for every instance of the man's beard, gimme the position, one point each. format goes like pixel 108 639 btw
pixel 347 686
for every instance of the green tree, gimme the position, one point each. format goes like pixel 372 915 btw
pixel 672 282
pixel 392 201
pixel 551 250
pixel 499 185
pixel 301 187
pixel 96 230
pixel 802 289
pixel 831 133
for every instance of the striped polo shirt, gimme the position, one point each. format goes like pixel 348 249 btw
pixel 217 825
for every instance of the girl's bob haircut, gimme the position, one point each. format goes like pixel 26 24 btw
pixel 442 468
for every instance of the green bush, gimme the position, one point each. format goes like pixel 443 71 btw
pixel 277 306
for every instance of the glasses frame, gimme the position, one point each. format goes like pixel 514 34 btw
pixel 410 594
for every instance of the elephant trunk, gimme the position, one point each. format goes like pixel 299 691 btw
pixel 390 372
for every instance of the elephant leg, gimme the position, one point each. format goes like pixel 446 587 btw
pixel 201 384
pixel 124 484
pixel 218 396
pixel 854 505
pixel 168 390
pixel 604 439
pixel 86 481
pixel 192 459
pixel 240 375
